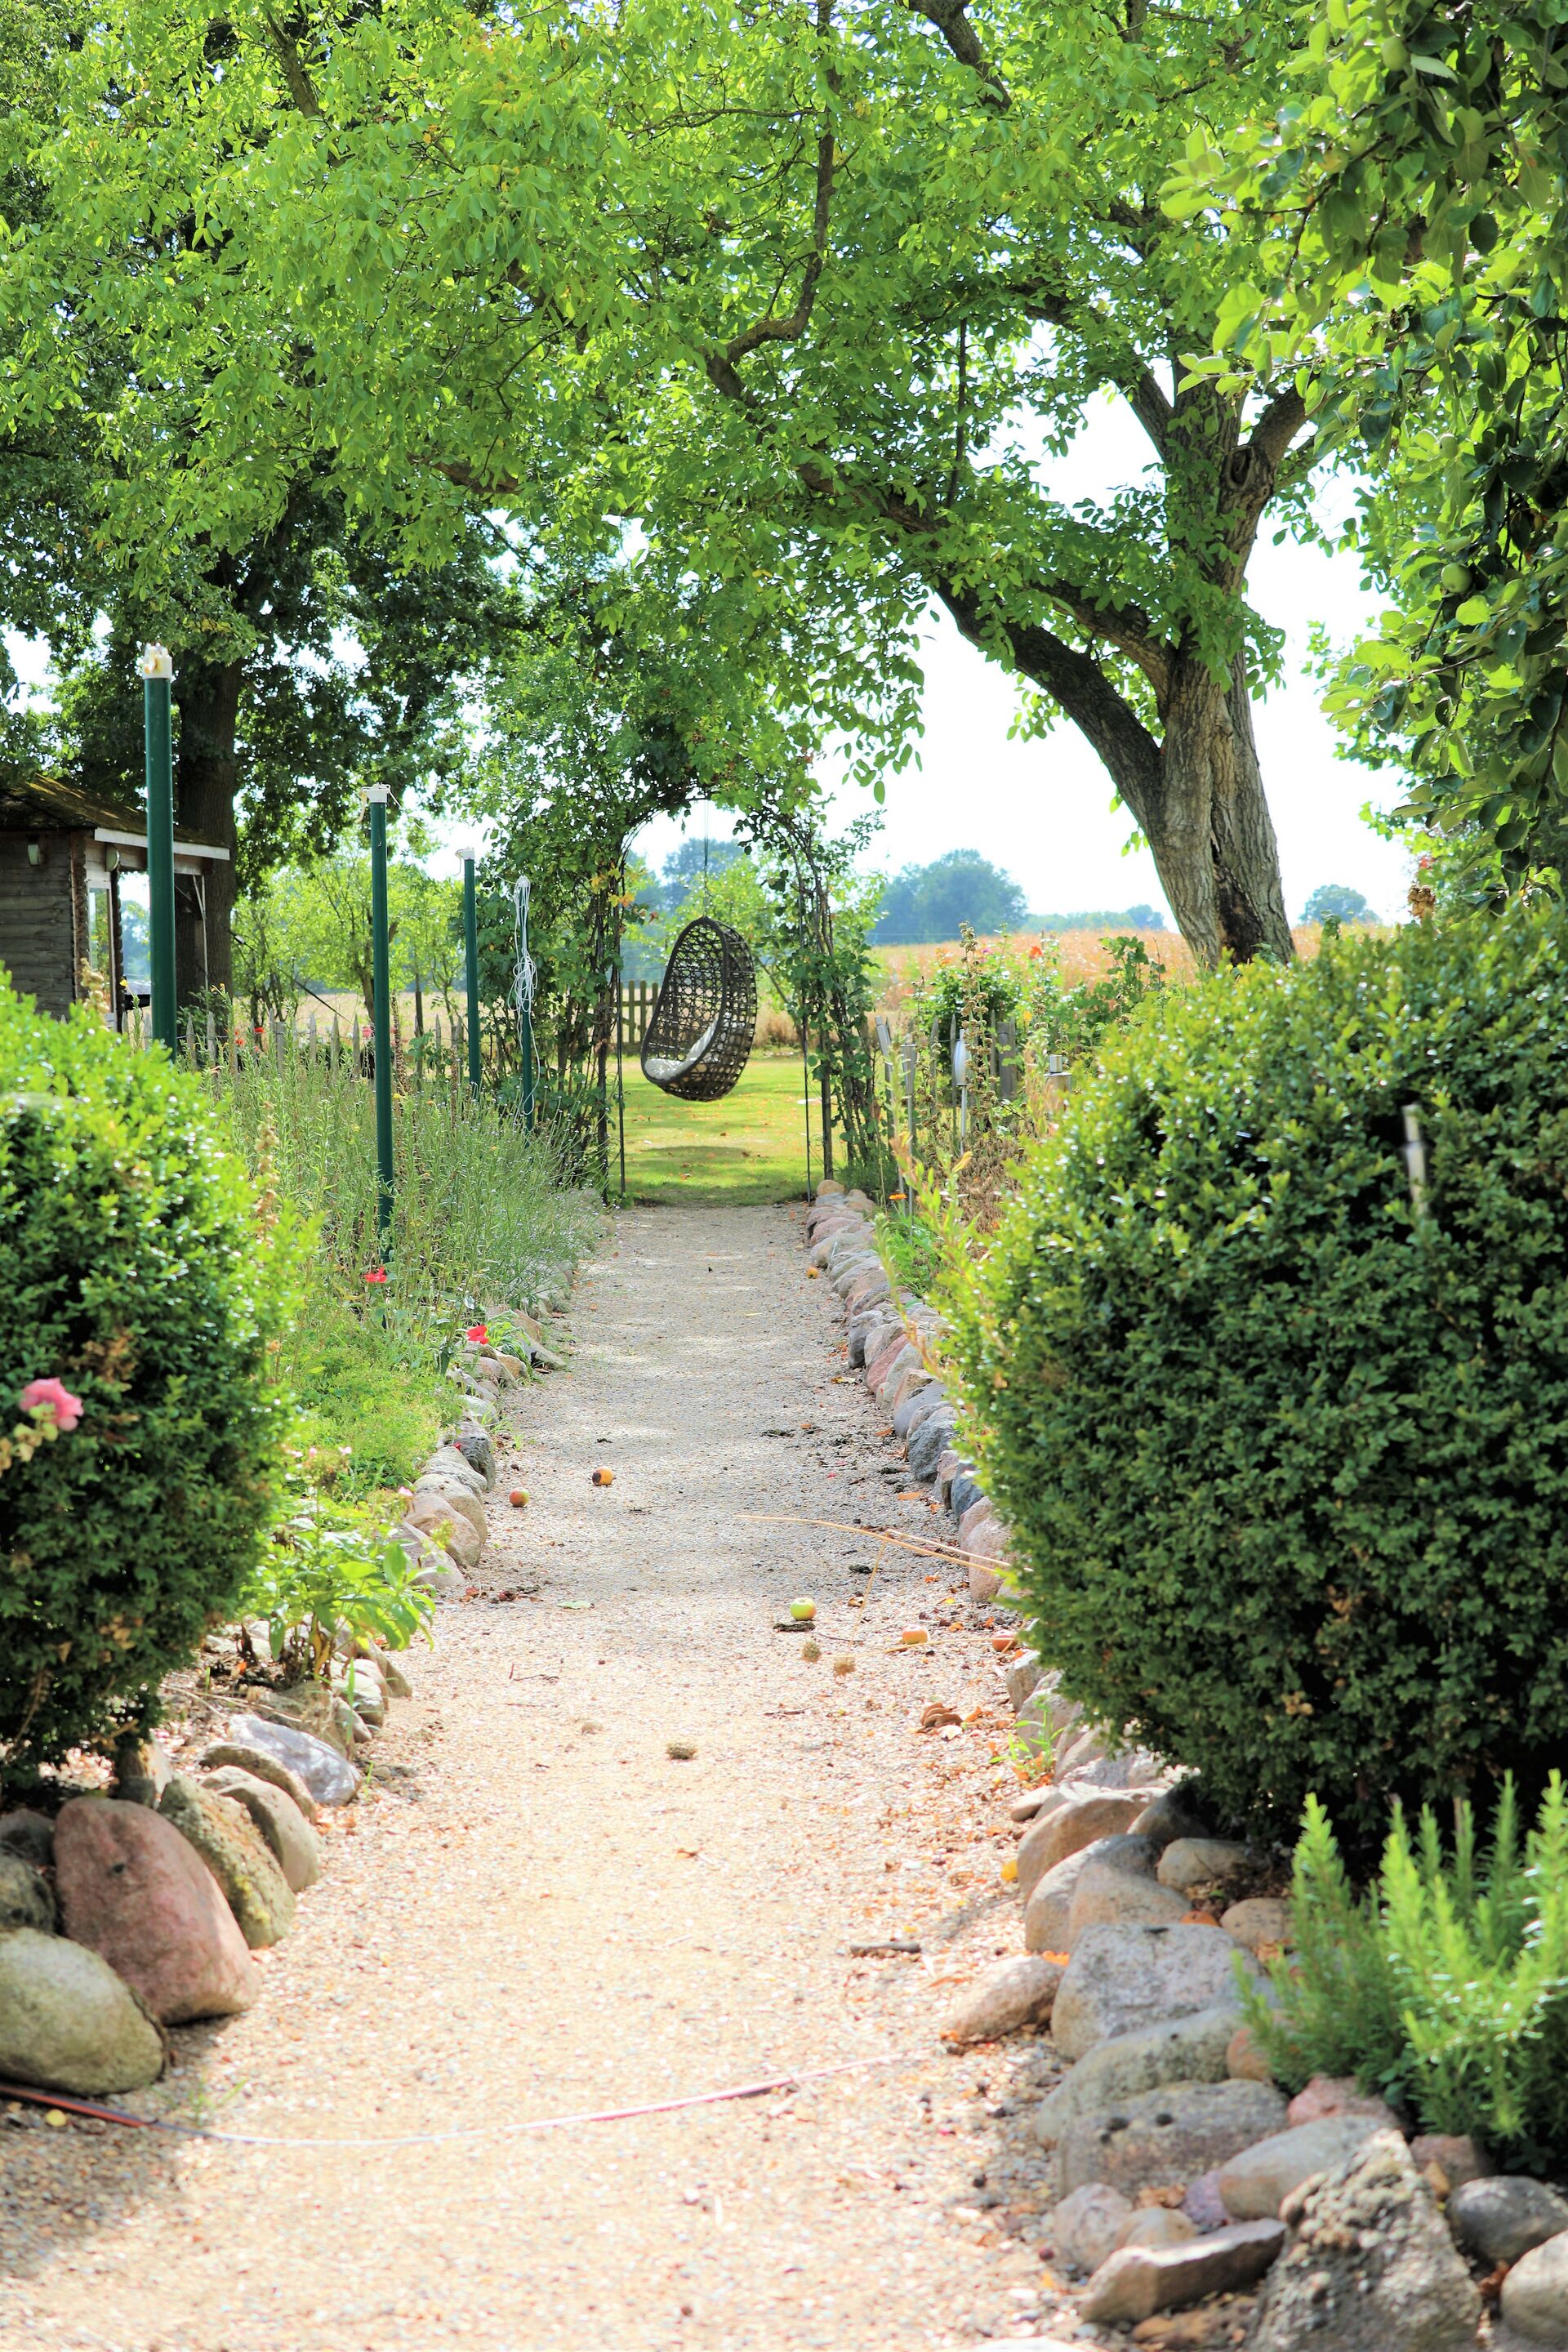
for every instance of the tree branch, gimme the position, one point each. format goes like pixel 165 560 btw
pixel 1277 427
pixel 1125 626
pixel 951 21
pixel 724 366
pixel 1252 474
pixel 1078 683
pixel 1144 393
pixel 301 88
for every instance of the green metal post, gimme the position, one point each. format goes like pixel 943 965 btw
pixel 157 675
pixel 527 1023
pixel 381 1014
pixel 471 959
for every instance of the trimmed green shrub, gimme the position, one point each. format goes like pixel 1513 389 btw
pixel 1445 1987
pixel 136 1276
pixel 1283 1438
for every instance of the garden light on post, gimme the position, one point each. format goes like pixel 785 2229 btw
pixel 471 961
pixel 157 670
pixel 381 1017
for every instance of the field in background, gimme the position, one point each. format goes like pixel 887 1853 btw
pixel 1079 955
pixel 749 1148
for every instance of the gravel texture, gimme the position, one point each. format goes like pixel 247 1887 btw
pixel 536 1910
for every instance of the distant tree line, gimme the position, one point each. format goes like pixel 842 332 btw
pixel 1337 902
pixel 926 903
pixel 1140 917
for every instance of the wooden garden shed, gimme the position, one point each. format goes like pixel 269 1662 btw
pixel 61 849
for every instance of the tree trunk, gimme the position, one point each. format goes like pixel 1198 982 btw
pixel 1196 795
pixel 206 775
pixel 1209 823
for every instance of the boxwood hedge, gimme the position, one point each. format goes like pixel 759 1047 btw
pixel 1284 1443
pixel 134 1274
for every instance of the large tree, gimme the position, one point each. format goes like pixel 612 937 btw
pixel 818 291
pixel 1412 220
pixel 891 260
pixel 307 663
pixel 159 478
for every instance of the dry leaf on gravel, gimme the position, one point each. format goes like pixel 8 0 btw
pixel 935 1715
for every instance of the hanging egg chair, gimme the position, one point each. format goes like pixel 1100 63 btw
pixel 705 1015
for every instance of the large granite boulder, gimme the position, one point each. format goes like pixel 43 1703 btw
pixel 1120 1979
pixel 1117 1887
pixel 1256 2183
pixel 1183 2050
pixel 136 1892
pixel 311 1707
pixel 321 1770
pixel 24 1897
pixel 1368 2267
pixel 1140 2280
pixel 1160 2138
pixel 1006 1996
pixel 1499 2219
pixel 1069 1827
pixel 1535 2294
pixel 69 2023
pixel 237 1855
pixel 295 1848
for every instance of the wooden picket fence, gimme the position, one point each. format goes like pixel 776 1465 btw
pixel 637 999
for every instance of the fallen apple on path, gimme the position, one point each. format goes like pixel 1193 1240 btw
pixel 803 1612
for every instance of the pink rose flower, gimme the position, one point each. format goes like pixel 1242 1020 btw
pixel 66 1409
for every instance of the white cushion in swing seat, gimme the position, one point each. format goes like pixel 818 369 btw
pixel 662 1068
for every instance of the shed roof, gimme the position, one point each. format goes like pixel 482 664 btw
pixel 49 804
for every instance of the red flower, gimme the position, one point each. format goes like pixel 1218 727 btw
pixel 375 1274
pixel 66 1409
pixel 477 1331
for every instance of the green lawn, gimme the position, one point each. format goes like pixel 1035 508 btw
pixel 750 1147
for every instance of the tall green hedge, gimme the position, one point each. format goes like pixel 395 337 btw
pixel 1286 1453
pixel 133 1273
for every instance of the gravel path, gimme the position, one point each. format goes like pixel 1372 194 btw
pixel 537 1912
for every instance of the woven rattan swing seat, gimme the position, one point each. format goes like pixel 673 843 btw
pixel 705 1015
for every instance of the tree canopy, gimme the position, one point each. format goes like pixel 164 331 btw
pixel 929 902
pixel 1413 204
pixel 867 272
pixel 1336 902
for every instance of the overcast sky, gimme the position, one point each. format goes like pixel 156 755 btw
pixel 1042 809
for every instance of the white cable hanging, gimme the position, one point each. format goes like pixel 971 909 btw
pixel 523 975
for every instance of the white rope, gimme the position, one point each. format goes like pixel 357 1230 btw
pixel 523 975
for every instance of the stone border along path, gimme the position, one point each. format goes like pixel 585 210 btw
pixel 1182 2179
pixel 540 1906
pixel 138 1901
pixel 535 1910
